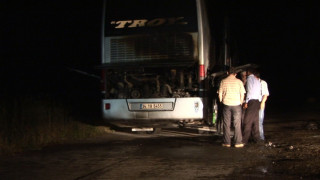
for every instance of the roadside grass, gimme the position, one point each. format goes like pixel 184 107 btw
pixel 29 123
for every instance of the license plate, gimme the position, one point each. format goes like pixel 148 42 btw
pixel 152 106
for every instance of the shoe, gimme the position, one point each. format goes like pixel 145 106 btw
pixel 239 145
pixel 226 145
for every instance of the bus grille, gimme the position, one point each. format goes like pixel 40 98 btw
pixel 149 48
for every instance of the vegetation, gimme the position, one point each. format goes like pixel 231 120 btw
pixel 28 123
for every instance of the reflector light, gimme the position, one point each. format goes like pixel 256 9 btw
pixel 107 106
pixel 201 71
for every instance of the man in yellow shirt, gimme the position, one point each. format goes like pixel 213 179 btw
pixel 231 95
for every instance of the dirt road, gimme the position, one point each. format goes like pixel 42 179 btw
pixel 292 151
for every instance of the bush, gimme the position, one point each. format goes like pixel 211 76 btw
pixel 28 123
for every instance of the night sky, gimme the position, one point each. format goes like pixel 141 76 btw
pixel 42 40
pixel 283 38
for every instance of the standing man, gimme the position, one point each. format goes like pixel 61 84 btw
pixel 252 106
pixel 243 76
pixel 231 94
pixel 264 94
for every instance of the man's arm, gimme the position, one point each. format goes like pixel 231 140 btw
pixel 249 86
pixel 220 95
pixel 265 93
pixel 220 91
pixel 241 98
pixel 263 101
pixel 242 92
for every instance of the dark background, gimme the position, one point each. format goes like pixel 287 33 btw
pixel 44 42
pixel 283 38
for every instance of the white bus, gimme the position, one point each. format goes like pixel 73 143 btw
pixel 155 60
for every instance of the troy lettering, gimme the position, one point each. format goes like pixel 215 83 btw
pixel 148 23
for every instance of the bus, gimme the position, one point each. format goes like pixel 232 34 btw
pixel 156 61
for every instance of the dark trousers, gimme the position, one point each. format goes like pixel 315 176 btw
pixel 230 112
pixel 251 121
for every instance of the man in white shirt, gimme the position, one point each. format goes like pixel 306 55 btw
pixel 264 97
pixel 251 106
